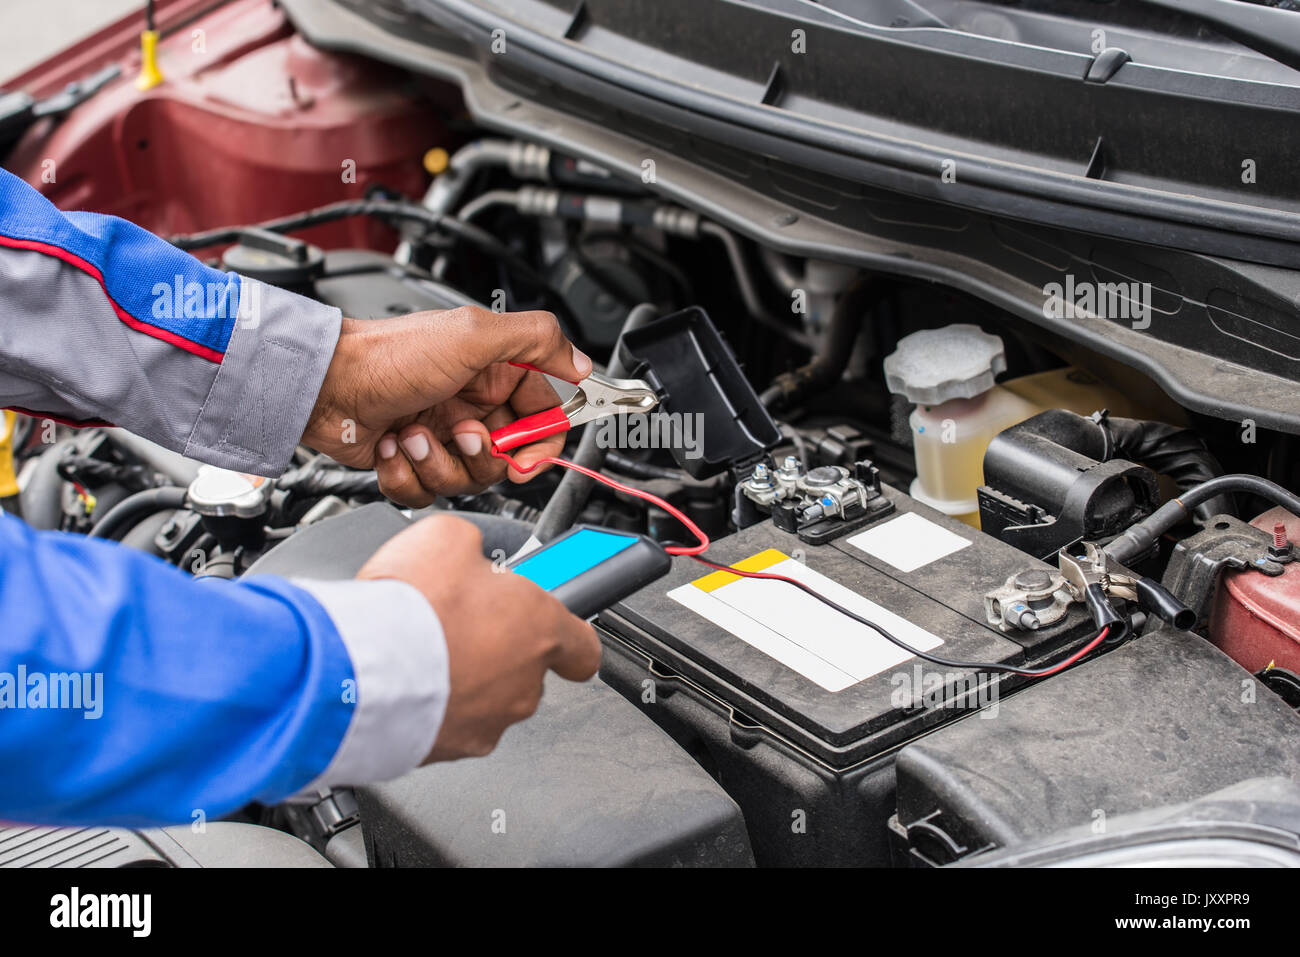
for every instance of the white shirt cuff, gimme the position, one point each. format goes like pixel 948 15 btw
pixel 399 662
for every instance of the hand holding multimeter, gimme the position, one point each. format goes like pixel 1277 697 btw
pixel 501 633
pixel 589 569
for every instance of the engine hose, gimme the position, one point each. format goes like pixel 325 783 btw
pixel 41 499
pixel 744 277
pixel 502 536
pixel 524 161
pixel 647 471
pixel 389 210
pixel 1170 450
pixel 1139 539
pixel 344 483
pixel 571 495
pixel 134 508
pixel 832 358
pixel 485 201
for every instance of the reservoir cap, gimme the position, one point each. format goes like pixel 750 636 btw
pixel 934 365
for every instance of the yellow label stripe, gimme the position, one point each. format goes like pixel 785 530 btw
pixel 754 563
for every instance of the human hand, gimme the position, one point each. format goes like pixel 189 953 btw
pixel 413 397
pixel 503 632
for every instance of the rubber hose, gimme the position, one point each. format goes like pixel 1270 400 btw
pixel 340 482
pixel 1174 451
pixel 135 508
pixel 571 495
pixel 1139 539
pixel 646 471
pixel 502 536
pixel 747 284
pixel 41 500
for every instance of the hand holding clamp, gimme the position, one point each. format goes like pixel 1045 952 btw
pixel 597 397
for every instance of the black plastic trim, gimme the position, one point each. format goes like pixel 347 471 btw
pixel 1164 118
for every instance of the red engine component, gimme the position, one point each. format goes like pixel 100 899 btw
pixel 252 122
pixel 1256 619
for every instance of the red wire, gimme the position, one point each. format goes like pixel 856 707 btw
pixel 626 489
pixel 1101 636
pixel 696 551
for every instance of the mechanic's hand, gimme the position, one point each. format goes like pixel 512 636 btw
pixel 396 388
pixel 503 632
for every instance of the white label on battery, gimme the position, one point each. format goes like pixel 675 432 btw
pixel 796 629
pixel 908 542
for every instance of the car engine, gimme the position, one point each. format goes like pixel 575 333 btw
pixel 1039 579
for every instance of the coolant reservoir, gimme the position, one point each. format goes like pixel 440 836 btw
pixel 949 374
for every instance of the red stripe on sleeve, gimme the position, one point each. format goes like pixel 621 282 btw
pixel 171 338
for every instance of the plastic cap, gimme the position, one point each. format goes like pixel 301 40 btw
pixel 436 161
pixel 150 75
pixel 935 365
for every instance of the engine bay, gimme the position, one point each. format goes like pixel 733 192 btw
pixel 1032 588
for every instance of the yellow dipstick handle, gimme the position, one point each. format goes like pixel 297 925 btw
pixel 150 76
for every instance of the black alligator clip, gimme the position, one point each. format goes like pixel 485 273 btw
pixel 1096 580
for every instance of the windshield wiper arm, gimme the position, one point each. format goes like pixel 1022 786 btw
pixel 1267 30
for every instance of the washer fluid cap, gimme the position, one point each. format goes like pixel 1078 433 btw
pixel 934 365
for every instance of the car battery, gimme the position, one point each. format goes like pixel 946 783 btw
pixel 798 709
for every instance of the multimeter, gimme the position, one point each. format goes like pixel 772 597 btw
pixel 591 568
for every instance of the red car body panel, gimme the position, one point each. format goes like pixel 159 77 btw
pixel 251 123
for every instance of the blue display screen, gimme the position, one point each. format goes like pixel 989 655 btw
pixel 568 558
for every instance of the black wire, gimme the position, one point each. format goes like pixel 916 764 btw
pixel 380 209
pixel 617 462
pixel 388 210
pixel 884 633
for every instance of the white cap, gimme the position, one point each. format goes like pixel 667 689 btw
pixel 935 365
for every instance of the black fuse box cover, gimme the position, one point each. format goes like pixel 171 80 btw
pixel 839 728
pixel 688 364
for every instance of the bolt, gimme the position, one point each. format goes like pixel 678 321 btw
pixel 1021 615
pixel 791 464
pixel 760 476
pixel 1033 579
pixel 812 513
pixel 1280 550
pixel 825 475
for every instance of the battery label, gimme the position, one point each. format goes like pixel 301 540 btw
pixel 796 629
pixel 909 542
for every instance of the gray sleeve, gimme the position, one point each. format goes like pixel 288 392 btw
pixel 402 673
pixel 64 352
